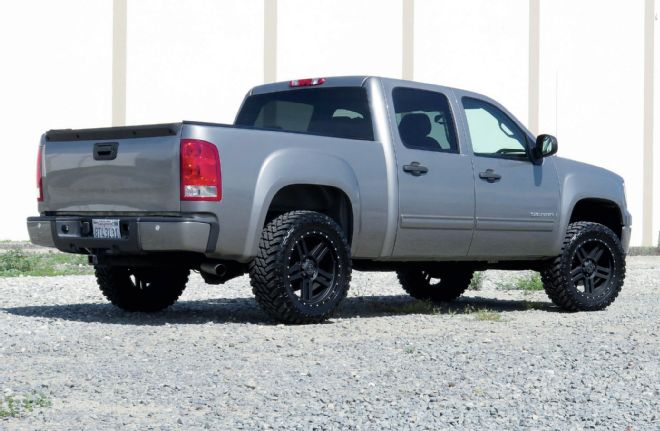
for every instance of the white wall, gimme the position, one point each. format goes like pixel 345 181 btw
pixel 592 87
pixel 192 60
pixel 55 73
pixel 477 45
pixel 656 138
pixel 340 37
pixel 196 59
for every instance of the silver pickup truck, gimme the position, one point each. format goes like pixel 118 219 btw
pixel 319 176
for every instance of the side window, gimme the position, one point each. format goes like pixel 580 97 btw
pixel 492 132
pixel 424 120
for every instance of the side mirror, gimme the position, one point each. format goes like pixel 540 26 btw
pixel 546 145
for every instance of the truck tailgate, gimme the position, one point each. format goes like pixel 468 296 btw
pixel 119 169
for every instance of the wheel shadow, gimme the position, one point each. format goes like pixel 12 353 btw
pixel 246 310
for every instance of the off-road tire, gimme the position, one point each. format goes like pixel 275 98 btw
pixel 275 272
pixel 566 279
pixel 417 282
pixel 141 289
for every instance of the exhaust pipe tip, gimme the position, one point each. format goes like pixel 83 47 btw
pixel 218 269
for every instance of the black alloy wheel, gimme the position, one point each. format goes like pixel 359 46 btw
pixel 435 284
pixel 592 268
pixel 302 269
pixel 313 267
pixel 141 289
pixel 588 274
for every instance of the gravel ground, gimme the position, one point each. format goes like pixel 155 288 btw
pixel 213 361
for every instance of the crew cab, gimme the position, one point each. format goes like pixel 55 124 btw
pixel 319 176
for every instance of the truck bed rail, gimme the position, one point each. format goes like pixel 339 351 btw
pixel 124 132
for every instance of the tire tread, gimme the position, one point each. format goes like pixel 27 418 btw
pixel 265 271
pixel 554 278
pixel 451 286
pixel 116 286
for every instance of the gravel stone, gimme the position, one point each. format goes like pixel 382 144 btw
pixel 214 360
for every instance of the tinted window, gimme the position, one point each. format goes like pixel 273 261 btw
pixel 341 112
pixel 424 120
pixel 492 132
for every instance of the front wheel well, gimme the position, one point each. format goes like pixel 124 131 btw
pixel 327 200
pixel 600 211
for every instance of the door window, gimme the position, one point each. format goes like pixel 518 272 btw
pixel 424 120
pixel 492 132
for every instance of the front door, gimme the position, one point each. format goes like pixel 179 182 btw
pixel 436 183
pixel 516 200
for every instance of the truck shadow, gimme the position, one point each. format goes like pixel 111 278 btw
pixel 246 310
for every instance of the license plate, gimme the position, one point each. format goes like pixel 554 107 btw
pixel 106 228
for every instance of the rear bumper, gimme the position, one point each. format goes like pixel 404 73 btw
pixel 73 234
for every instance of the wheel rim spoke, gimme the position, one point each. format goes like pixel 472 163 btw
pixel 295 272
pixel 577 275
pixel 138 283
pixel 303 244
pixel 324 278
pixel 319 252
pixel 581 254
pixel 588 284
pixel 306 292
pixel 603 272
pixel 301 249
pixel 596 253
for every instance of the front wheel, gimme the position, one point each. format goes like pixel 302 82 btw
pixel 302 269
pixel 141 289
pixel 589 272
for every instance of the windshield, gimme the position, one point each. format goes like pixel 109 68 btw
pixel 340 112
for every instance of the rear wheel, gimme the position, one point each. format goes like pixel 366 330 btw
pixel 589 272
pixel 302 269
pixel 141 289
pixel 438 285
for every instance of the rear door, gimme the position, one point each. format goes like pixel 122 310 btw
pixel 436 184
pixel 516 200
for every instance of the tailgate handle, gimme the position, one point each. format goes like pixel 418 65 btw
pixel 105 150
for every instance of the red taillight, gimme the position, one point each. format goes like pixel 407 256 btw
pixel 306 82
pixel 40 181
pixel 200 171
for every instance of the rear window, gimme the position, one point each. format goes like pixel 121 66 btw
pixel 340 112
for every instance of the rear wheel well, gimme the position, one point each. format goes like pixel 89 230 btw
pixel 598 211
pixel 327 200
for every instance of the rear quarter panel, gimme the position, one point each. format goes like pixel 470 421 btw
pixel 256 164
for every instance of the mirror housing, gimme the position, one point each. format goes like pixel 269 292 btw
pixel 545 145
